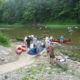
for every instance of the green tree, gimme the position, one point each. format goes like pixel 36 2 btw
pixel 23 11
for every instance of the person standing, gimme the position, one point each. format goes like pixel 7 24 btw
pixel 47 42
pixel 38 45
pixel 61 39
pixel 50 52
pixel 51 38
pixel 25 38
pixel 28 40
pixel 34 40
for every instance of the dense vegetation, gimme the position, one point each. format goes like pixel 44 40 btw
pixel 4 40
pixel 39 11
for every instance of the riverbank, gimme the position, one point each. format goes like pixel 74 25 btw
pixel 56 33
pixel 48 25
pixel 4 40
pixel 16 25
pixel 58 25
pixel 42 70
pixel 8 54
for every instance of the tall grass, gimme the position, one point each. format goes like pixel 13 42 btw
pixel 11 25
pixel 4 40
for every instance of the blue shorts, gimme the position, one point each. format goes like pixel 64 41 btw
pixel 28 45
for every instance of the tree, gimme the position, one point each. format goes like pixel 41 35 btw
pixel 39 11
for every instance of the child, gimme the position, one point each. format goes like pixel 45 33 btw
pixel 50 51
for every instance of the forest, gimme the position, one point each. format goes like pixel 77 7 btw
pixel 39 11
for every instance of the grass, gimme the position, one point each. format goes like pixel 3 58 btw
pixel 39 71
pixel 49 25
pixel 57 25
pixel 11 25
pixel 4 40
pixel 72 55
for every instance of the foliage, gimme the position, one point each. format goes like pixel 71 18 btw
pixel 4 40
pixel 34 11
pixel 40 70
pixel 1 3
pixel 60 25
pixel 71 54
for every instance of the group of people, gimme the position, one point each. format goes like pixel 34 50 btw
pixel 35 45
pixel 38 45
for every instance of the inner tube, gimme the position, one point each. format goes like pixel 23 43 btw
pixel 19 39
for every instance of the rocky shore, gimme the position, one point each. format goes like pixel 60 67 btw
pixel 7 55
pixel 42 70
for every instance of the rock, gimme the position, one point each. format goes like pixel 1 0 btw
pixel 2 59
pixel 42 70
pixel 6 55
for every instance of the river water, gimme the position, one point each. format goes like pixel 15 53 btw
pixel 56 33
pixel 14 33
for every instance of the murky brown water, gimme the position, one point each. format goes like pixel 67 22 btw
pixel 21 32
pixel 56 33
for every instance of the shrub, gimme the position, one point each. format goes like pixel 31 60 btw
pixel 4 40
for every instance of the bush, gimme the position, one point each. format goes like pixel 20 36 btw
pixel 4 40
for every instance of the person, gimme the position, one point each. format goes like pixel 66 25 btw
pixel 32 36
pixel 34 40
pixel 28 40
pixel 61 39
pixel 50 52
pixel 47 42
pixel 51 38
pixel 70 30
pixel 32 51
pixel 38 45
pixel 25 38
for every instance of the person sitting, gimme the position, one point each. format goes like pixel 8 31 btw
pixel 32 51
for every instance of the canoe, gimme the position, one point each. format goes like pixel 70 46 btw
pixel 58 40
pixel 19 39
